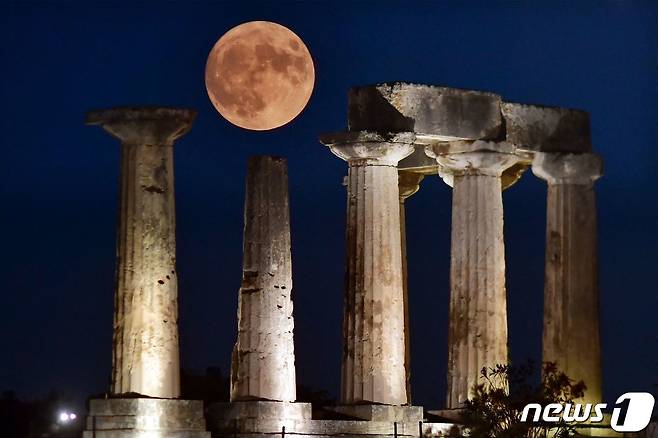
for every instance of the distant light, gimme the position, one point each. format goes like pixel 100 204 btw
pixel 65 417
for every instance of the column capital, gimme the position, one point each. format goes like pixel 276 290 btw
pixel 144 125
pixel 474 158
pixel 365 148
pixel 409 183
pixel 560 168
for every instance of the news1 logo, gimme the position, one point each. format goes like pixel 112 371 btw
pixel 632 412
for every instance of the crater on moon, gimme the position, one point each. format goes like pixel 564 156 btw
pixel 259 75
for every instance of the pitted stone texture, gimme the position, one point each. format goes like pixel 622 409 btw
pixel 546 129
pixel 437 112
pixel 402 414
pixel 263 365
pixel 227 416
pixel 477 335
pixel 373 365
pixel 571 336
pixel 145 352
pixel 145 417
pixel 408 183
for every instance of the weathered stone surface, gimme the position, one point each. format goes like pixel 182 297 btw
pixel 373 325
pixel 438 112
pixel 546 129
pixel 141 417
pixel 408 184
pixel 477 335
pixel 144 125
pixel 223 416
pixel 404 414
pixel 370 148
pixel 571 297
pixel 145 353
pixel 461 151
pixel 330 428
pixel 263 365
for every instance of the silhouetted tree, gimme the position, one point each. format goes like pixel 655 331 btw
pixel 495 409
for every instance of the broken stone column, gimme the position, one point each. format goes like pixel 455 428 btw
pixel 373 365
pixel 146 357
pixel 263 364
pixel 145 342
pixel 571 295
pixel 477 335
pixel 408 184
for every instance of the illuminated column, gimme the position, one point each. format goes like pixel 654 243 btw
pixel 477 334
pixel 145 341
pixel 409 183
pixel 571 295
pixel 263 364
pixel 373 366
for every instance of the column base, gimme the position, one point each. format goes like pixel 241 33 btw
pixel 256 416
pixel 386 413
pixel 145 417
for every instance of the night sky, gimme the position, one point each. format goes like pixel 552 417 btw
pixel 59 178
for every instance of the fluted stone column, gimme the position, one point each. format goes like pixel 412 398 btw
pixel 408 183
pixel 373 364
pixel 263 365
pixel 571 296
pixel 477 334
pixel 145 353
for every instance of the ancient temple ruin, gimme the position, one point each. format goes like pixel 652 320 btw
pixel 397 134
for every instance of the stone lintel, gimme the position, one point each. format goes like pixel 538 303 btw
pixel 558 168
pixel 370 412
pixel 144 125
pixel 370 148
pixel 546 129
pixel 441 112
pixel 462 147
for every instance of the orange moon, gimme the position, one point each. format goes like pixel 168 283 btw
pixel 259 75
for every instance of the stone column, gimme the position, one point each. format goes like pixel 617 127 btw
pixel 373 365
pixel 571 295
pixel 263 364
pixel 477 335
pixel 145 352
pixel 408 183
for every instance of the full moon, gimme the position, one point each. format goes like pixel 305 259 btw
pixel 259 75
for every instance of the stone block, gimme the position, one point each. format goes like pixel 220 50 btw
pixel 250 415
pixel 381 412
pixel 438 112
pixel 142 417
pixel 260 409
pixel 546 129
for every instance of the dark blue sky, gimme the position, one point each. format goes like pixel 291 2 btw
pixel 59 178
